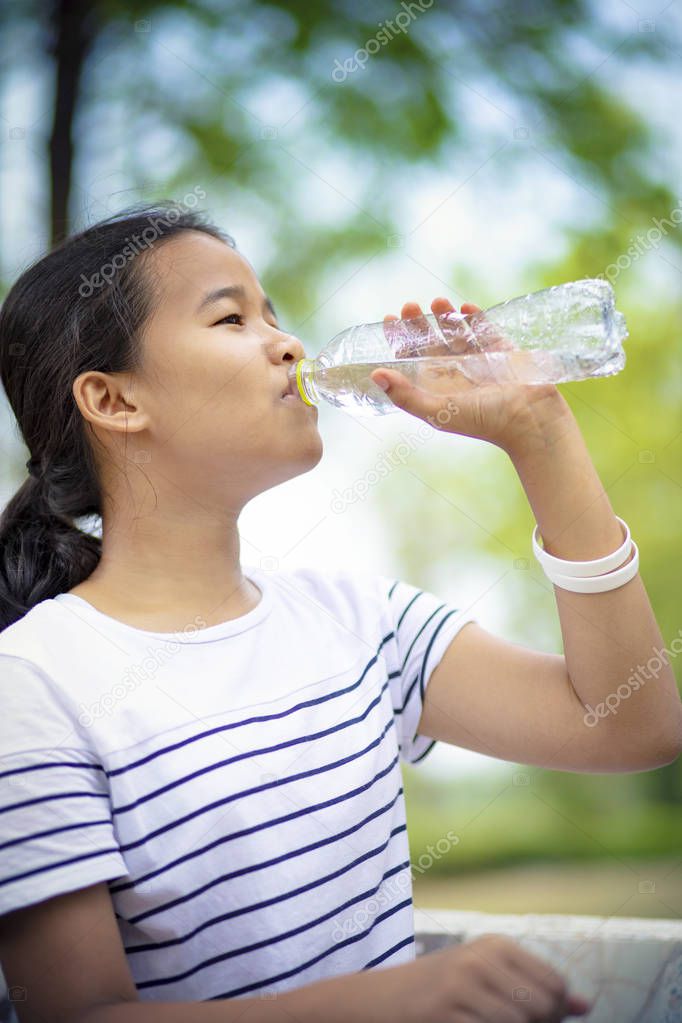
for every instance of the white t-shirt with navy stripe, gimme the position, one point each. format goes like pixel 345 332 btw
pixel 238 786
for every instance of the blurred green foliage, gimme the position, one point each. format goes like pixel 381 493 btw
pixel 550 819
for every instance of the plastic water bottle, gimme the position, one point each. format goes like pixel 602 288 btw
pixel 567 332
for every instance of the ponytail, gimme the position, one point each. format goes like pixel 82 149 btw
pixel 42 553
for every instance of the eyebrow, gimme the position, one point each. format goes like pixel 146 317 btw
pixel 230 291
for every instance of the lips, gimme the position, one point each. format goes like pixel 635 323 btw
pixel 290 389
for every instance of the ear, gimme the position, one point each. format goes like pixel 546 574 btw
pixel 108 400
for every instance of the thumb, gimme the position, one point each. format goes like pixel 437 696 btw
pixel 438 410
pixel 388 379
pixel 400 390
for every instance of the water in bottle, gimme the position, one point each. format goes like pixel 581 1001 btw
pixel 567 332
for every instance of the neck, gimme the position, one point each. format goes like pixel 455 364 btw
pixel 166 567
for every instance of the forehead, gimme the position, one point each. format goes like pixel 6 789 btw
pixel 193 263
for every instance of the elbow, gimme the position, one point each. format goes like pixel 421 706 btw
pixel 672 745
pixel 639 750
pixel 672 749
pixel 662 750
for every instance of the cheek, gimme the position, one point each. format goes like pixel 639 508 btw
pixel 214 417
pixel 217 403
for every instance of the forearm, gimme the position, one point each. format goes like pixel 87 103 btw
pixel 350 998
pixel 608 637
pixel 175 1012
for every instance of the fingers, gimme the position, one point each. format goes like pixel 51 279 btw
pixel 417 332
pixel 492 1005
pixel 390 333
pixel 466 332
pixel 399 334
pixel 459 333
pixel 576 1005
pixel 455 326
pixel 477 333
pixel 409 335
pixel 444 305
pixel 439 306
pixel 412 311
pixel 413 336
pixel 548 986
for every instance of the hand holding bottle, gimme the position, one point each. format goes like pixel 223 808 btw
pixel 569 331
pixel 505 414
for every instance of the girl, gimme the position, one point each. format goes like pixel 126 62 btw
pixel 202 797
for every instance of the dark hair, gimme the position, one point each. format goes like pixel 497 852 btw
pixel 81 307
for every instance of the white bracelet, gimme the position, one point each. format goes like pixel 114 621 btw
pixel 583 569
pixel 598 583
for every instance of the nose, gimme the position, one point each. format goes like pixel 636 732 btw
pixel 287 349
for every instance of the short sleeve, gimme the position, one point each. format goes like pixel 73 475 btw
pixel 422 627
pixel 55 808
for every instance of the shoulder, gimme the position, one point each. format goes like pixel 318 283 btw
pixel 340 591
pixel 35 636
pixel 36 712
pixel 331 607
pixel 36 706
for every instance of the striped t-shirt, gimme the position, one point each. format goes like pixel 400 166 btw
pixel 238 786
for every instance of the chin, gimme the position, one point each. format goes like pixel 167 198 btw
pixel 298 462
pixel 313 454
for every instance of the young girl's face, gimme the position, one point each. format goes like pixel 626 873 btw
pixel 213 373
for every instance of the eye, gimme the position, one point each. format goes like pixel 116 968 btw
pixel 230 317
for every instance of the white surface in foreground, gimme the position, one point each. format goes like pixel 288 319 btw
pixel 631 969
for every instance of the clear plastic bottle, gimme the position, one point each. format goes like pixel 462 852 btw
pixel 567 332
